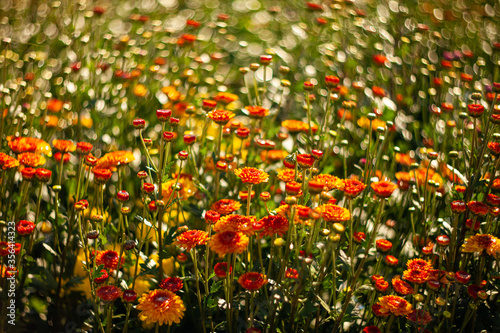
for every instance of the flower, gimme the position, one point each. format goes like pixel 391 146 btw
pixel 458 206
pixel 383 245
pixel 286 175
pixel 352 188
pixel 84 148
pixel 114 159
pixel 8 162
pixel 395 305
pixel 220 117
pixel 371 329
pixel 384 189
pixel 391 260
pixel 417 276
pixel 26 144
pixel 221 270
pixel 478 208
pixel 305 160
pixel 475 110
pixel 102 175
pixel 252 280
pixel 401 287
pixel 24 227
pixel 285 211
pixel 274 224
pixel 173 284
pixel 161 307
pixel 292 273
pixel 211 217
pixel 109 293
pixel 462 277
pixel 225 206
pixel 109 259
pixel 482 242
pixel 43 175
pixel 331 182
pixel 30 159
pixel 251 175
pixel 257 112
pixel 228 242
pixel 235 222
pixel 376 308
pixel 359 237
pixel 333 213
pixel 419 264
pixel 381 285
pixel 64 146
pixel 295 126
pixel 225 97
pixel 191 238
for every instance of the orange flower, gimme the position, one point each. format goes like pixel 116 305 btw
pixel 251 175
pixel 404 159
pixel 54 105
pixel 273 224
pixel 225 97
pixel 25 144
pixel 295 126
pixel 330 181
pixel 288 175
pixel 419 264
pixel 31 159
pixel 395 305
pixel 285 211
pixel 352 188
pixel 272 156
pixel 102 175
pixel 417 276
pixel 252 280
pixel 257 112
pixel 478 208
pixel 114 159
pixel 8 162
pixel 378 91
pixel 234 222
pixel 229 242
pixel 226 206
pixel 220 117
pixel 161 307
pixel 191 238
pixel 402 287
pixel 188 189
pixel 482 242
pixel 64 146
pixel 333 213
pixel 383 189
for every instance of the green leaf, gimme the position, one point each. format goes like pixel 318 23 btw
pixel 215 287
pixel 97 272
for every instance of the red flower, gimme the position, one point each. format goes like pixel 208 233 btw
pixel 305 160
pixel 462 277
pixel 371 329
pixel 109 293
pixel 24 227
pixel 475 110
pixel 359 237
pixel 83 148
pixel 212 217
pixel 292 273
pixel 458 206
pixel 443 240
pixel 221 271
pixel 101 279
pixel 381 285
pixel 332 81
pixel 478 208
pixel 391 260
pixel 252 280
pixel 129 295
pixel 383 245
pixel 383 189
pixel 174 284
pixel 102 175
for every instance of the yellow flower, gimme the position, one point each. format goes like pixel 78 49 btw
pixel 114 159
pixel 140 90
pixel 482 242
pixel 333 213
pixel 161 307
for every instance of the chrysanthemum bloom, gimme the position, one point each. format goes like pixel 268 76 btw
pixel 8 162
pixel 458 206
pixel 161 307
pixel 220 117
pixel 383 245
pixel 482 242
pixel 493 200
pixel 383 189
pixel 250 175
pixel 285 211
pixel 395 305
pixel 257 112
pixel 31 159
pixel 305 160
pixel 292 273
pixel 286 175
pixel 61 156
pixel 478 208
pixel 114 159
pixel 443 240
pixel 274 225
pixel 417 276
pixel 401 287
pixel 371 329
pixel 25 228
pixel 102 175
pixel 381 285
pixel 420 317
pixel 225 206
pixel 109 293
pixel 295 126
pixel 419 264
pixel 211 217
pixel 129 296
pixel 43 175
pixel 462 277
pixel 228 242
pixel 109 259
pixel 293 188
pixel 352 188
pixel 234 222
pixel 359 237
pixel 333 213
pixel 331 182
pixel 173 284
pixel 28 173
pixel 378 91
pixel 26 144
pixel 225 97
pixel 252 280
pixel 101 279
pixel 475 110
pixel 191 238
pixel 83 148
pixel 64 146
pixel 221 270
pixel 494 148
pixel 391 260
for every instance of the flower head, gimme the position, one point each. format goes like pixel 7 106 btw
pixel 384 189
pixel 161 307
pixel 395 305
pixel 482 242
pixel 329 181
pixel 8 162
pixel 24 227
pixel 229 242
pixel 226 206
pixel 251 175
pixel 64 146
pixel 173 284
pixel 401 287
pixel 252 280
pixel 221 117
pixel 109 293
pixel 333 213
pixel 109 259
pixel 191 238
pixel 114 159
pixel 235 222
pixel 274 224
pixel 257 112
pixel 31 159
pixel 221 270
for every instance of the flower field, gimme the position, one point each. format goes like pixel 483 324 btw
pixel 249 166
